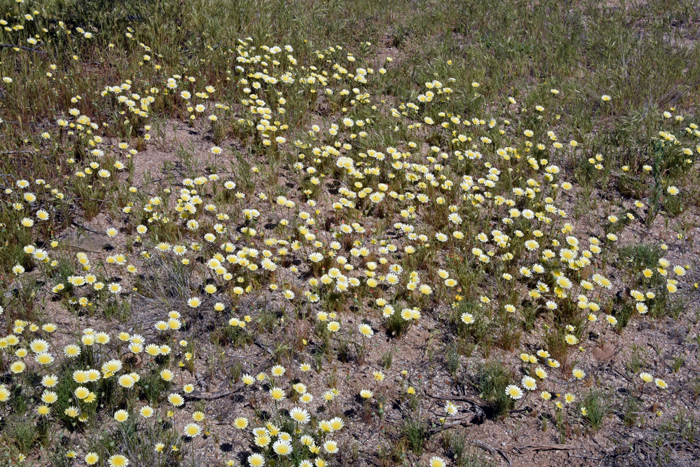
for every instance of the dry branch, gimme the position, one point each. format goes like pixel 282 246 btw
pixel 22 47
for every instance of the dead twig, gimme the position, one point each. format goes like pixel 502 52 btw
pixel 22 47
pixel 546 447
pixel 84 227
pixel 479 414
pixel 446 426
pixel 266 348
pixel 210 396
pixel 585 457
pixel 490 449
pixel 453 398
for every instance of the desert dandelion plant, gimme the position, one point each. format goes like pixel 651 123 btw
pixel 230 251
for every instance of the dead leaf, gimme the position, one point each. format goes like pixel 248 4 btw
pixel 603 354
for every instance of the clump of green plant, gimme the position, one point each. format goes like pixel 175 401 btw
pixel 396 325
pixel 21 433
pixel 637 360
pixel 416 434
pixel 452 359
pixel 462 453
pixel 631 409
pixel 640 257
pixel 595 408
pixel 231 335
pixel 387 358
pixel 491 381
pixel 153 443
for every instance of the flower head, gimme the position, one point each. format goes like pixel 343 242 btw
pixel 514 392
pixel 192 430
pixel 282 447
pixel 118 461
